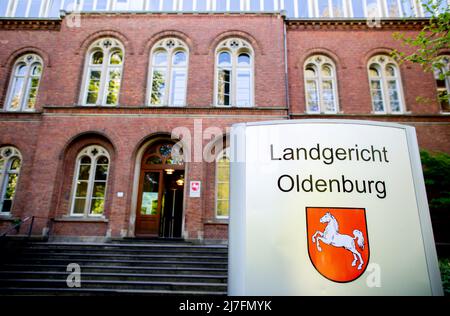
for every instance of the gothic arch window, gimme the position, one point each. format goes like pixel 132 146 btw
pixel 385 85
pixel 10 163
pixel 320 85
pixel 90 182
pixel 24 83
pixel 103 73
pixel 442 76
pixel 234 83
pixel 169 70
pixel 223 184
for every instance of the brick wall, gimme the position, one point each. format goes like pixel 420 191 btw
pixel 50 139
pixel 351 48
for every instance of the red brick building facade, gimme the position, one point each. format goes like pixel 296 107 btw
pixel 51 137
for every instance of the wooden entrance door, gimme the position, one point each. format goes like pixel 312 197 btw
pixel 158 163
pixel 148 214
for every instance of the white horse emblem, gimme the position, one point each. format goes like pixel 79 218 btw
pixel 331 236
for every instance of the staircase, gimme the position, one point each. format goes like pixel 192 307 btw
pixel 117 268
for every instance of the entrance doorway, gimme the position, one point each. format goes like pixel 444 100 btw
pixel 161 190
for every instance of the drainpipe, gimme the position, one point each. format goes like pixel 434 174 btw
pixel 286 76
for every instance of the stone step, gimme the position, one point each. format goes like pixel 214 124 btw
pixel 116 284
pixel 92 256
pixel 125 268
pixel 137 263
pixel 117 269
pixel 21 291
pixel 165 246
pixel 59 275
pixel 142 251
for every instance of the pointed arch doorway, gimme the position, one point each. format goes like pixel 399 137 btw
pixel 159 210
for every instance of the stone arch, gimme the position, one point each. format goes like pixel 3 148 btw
pixel 240 34
pixel 63 189
pixel 9 62
pixel 318 51
pixel 87 42
pixel 375 51
pixel 146 49
pixel 140 149
pixel 87 134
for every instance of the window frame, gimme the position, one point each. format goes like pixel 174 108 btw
pixel 105 69
pixel 325 60
pixel 345 9
pixel 29 60
pixel 5 172
pixel 86 152
pixel 446 80
pixel 44 7
pixel 376 60
pixel 224 152
pixel 420 8
pixel 161 45
pixel 245 48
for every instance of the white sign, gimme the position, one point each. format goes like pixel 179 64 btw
pixel 195 189
pixel 329 207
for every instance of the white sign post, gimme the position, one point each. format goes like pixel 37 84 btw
pixel 329 207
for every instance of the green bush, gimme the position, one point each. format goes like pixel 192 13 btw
pixel 436 170
pixel 444 266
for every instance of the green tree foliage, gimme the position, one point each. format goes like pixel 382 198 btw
pixel 436 170
pixel 444 266
pixel 430 42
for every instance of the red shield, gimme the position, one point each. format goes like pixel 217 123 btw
pixel 338 243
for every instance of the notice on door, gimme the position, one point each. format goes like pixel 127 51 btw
pixel 329 207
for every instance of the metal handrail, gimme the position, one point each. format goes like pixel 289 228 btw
pixel 16 226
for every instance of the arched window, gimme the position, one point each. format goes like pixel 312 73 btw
pixel 168 81
pixel 10 163
pixel 442 76
pixel 234 74
pixel 385 85
pixel 103 74
pixel 320 85
pixel 164 154
pixel 90 181
pixel 24 84
pixel 223 184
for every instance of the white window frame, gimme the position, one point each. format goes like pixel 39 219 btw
pixel 105 68
pixel 421 9
pixel 382 61
pixel 12 7
pixel 114 5
pixel 446 80
pixel 324 60
pixel 87 151
pixel 162 45
pixel 330 6
pixel 400 8
pixel 29 60
pixel 244 5
pixel 351 13
pixel 224 152
pixel 8 154
pixel 76 7
pixel 209 5
pixel 243 48
pixel 108 5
